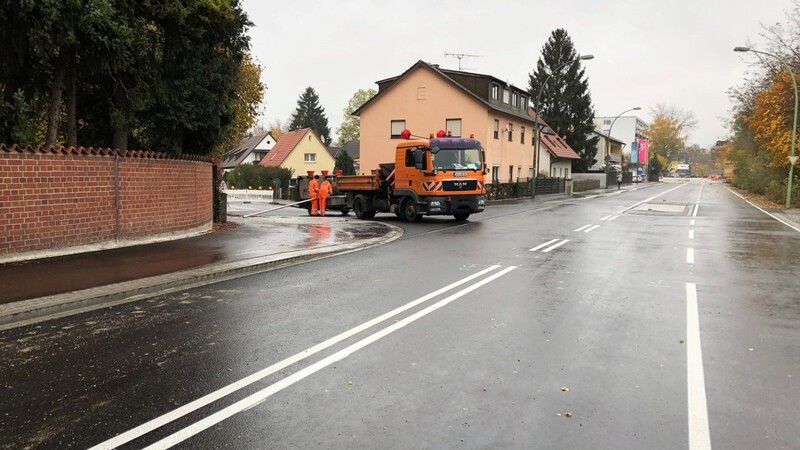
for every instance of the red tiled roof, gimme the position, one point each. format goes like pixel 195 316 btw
pixel 558 147
pixel 283 148
pixel 60 149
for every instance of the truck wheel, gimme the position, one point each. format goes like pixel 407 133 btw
pixel 410 210
pixel 461 215
pixel 359 207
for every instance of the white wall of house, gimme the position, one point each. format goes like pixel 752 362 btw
pixel 627 129
pixel 260 150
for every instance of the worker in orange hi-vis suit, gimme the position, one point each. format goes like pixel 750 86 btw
pixel 325 191
pixel 313 194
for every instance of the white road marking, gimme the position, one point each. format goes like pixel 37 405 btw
pixel 651 198
pixel 606 217
pixel 543 245
pixel 699 434
pixel 553 247
pixel 260 396
pixel 613 218
pixel 690 255
pixel 588 230
pixel 583 227
pixel 691 234
pixel 696 207
pixel 756 207
pixel 188 408
pixel 691 222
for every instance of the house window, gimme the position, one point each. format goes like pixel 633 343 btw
pixel 519 172
pixel 397 127
pixel 514 99
pixel 421 93
pixel 495 174
pixel 510 174
pixel 495 92
pixel 522 135
pixel 510 132
pixel 523 102
pixel 496 129
pixel 607 122
pixel 453 126
pixel 310 157
pixel 505 95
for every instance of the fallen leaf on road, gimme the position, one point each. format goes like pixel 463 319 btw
pixel 568 414
pixel 564 388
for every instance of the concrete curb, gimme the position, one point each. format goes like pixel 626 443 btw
pixel 35 310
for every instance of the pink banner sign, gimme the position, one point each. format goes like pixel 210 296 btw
pixel 644 149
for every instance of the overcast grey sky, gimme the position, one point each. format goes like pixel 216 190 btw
pixel 677 52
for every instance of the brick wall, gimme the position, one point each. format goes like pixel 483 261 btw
pixel 55 198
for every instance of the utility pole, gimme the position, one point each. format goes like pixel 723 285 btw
pixel 461 56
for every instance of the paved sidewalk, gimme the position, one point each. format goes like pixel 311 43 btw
pixel 44 287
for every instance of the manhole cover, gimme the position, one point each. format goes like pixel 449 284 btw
pixel 663 209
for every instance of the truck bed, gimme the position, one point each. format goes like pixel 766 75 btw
pixel 358 182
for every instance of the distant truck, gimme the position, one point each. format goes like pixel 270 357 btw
pixel 727 171
pixel 683 171
pixel 436 176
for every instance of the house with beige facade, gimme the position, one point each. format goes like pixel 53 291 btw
pixel 301 151
pixel 425 99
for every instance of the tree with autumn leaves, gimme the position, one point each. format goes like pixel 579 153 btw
pixel 667 134
pixel 763 116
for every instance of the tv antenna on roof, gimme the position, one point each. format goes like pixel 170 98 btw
pixel 461 56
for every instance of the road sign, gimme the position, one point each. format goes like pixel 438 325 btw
pixel 793 160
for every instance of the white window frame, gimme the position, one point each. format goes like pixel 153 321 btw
pixel 394 132
pixel 310 158
pixel 453 125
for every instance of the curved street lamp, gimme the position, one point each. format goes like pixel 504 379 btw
pixel 608 138
pixel 536 110
pixel 792 157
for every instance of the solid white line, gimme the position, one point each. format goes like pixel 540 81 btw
pixel 233 387
pixel 651 198
pixel 691 234
pixel 690 256
pixel 260 396
pixel 613 218
pixel 756 207
pixel 588 230
pixel 583 227
pixel 699 434
pixel 553 247
pixel 543 245
pixel 606 217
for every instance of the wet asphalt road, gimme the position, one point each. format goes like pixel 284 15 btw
pixel 587 345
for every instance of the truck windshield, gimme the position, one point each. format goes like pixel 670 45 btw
pixel 457 159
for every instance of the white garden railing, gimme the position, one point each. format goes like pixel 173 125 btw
pixel 248 195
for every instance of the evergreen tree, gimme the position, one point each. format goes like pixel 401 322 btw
pixel 345 163
pixel 310 115
pixel 565 103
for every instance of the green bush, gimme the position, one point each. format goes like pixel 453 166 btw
pixel 253 175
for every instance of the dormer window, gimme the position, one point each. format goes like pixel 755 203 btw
pixel 495 92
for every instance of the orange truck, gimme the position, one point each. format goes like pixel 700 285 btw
pixel 440 176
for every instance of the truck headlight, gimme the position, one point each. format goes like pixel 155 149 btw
pixel 436 203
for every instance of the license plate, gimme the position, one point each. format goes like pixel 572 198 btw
pixel 460 174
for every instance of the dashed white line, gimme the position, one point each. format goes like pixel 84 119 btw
pixel 583 227
pixel 699 435
pixel 690 256
pixel 613 218
pixel 588 230
pixel 543 245
pixel 606 217
pixel 691 222
pixel 691 234
pixel 696 207
pixel 555 246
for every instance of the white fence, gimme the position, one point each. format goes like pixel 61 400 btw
pixel 248 195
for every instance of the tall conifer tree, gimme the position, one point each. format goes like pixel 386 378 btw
pixel 565 104
pixel 310 115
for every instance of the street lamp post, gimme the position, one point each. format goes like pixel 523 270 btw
pixel 792 157
pixel 608 138
pixel 536 111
